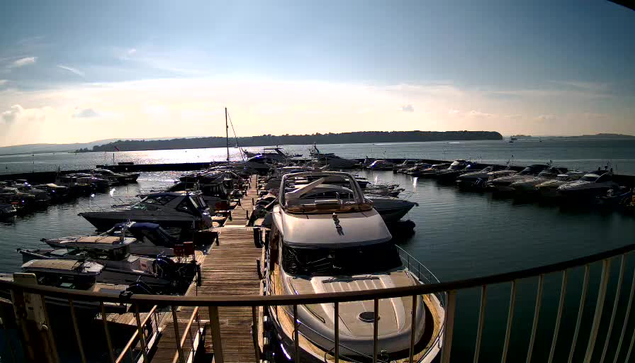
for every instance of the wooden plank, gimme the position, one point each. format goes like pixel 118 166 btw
pixel 228 269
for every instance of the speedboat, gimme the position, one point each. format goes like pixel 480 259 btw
pixel 181 210
pixel 391 209
pixel 431 171
pixel 590 186
pixel 476 179
pixel 116 178
pixel 74 275
pixel 327 238
pixel 331 160
pixel 145 239
pixel 528 185
pixel 549 188
pixel 381 165
pixel 450 174
pixel 7 210
pixel 503 184
pixel 160 273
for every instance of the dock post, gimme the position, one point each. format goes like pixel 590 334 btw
pixel 216 339
pixel 33 323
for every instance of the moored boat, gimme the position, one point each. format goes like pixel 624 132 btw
pixel 324 241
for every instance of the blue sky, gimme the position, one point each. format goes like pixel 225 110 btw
pixel 136 68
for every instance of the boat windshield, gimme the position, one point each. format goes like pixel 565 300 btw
pixel 589 178
pixel 347 261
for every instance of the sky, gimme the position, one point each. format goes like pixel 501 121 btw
pixel 78 71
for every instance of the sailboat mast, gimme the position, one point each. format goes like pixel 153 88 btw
pixel 227 134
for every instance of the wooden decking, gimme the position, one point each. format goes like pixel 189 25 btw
pixel 229 269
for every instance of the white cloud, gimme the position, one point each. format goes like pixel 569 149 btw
pixel 132 51
pixel 407 108
pixel 85 113
pixel 12 114
pixel 545 117
pixel 453 111
pixel 3 82
pixel 476 113
pixel 72 70
pixel 23 62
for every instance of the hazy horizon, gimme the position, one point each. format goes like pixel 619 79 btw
pixel 78 71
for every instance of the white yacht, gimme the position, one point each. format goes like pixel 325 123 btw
pixel 589 186
pixel 326 238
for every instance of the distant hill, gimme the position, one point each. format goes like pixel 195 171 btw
pixel 266 140
pixel 49 148
pixel 602 136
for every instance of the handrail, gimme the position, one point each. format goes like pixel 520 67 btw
pixel 132 339
pixel 256 300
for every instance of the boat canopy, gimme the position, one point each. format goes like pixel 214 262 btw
pixel 63 266
pixel 332 230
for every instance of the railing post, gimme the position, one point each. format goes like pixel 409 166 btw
pixel 375 329
pixel 563 293
pixel 615 306
pixel 216 338
pixel 413 327
pixel 629 305
pixel 599 306
pixel 585 287
pixel 104 319
pixel 481 323
pixel 32 320
pixel 78 336
pixel 177 335
pixel 141 335
pixel 337 331
pixel 534 326
pixel 296 335
pixel 510 319
pixel 449 327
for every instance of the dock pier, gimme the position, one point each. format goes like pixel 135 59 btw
pixel 230 268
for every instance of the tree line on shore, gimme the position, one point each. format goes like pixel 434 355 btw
pixel 267 140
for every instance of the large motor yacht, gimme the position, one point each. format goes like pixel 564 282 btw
pixel 327 238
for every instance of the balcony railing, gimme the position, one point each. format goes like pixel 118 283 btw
pixel 618 334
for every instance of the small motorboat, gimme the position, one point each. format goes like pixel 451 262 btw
pixel 431 171
pixel 391 209
pixel 328 239
pixel 7 210
pixel 160 273
pixel 183 210
pixel 381 165
pixel 74 275
pixel 502 184
pixel 477 179
pixel 528 185
pixel 450 174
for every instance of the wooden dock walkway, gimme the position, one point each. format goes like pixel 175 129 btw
pixel 229 269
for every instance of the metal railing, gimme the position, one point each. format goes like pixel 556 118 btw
pixel 592 344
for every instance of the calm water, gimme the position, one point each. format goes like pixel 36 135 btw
pixel 582 154
pixel 458 235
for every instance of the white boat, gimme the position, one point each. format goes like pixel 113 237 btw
pixel 327 238
pixel 391 209
pixel 528 185
pixel 589 186
pixel 549 188
pixel 74 275
pixel 503 183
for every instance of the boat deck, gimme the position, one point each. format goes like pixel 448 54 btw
pixel 228 269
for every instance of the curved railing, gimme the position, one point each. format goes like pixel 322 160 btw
pixel 450 288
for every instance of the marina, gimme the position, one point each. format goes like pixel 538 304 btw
pixel 232 264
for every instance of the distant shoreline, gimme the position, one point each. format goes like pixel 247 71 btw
pixel 322 139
